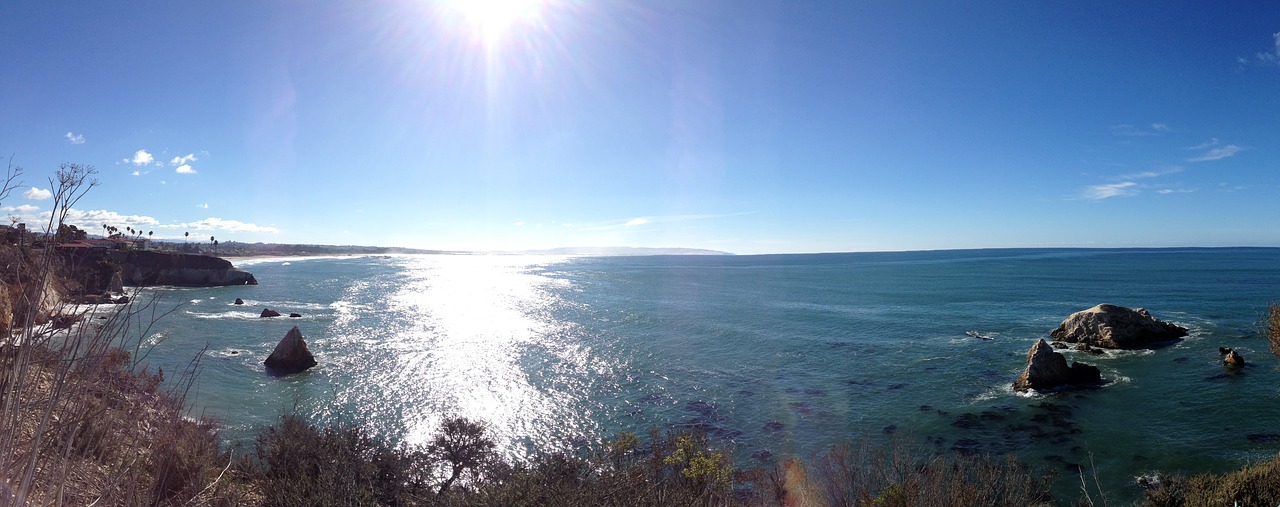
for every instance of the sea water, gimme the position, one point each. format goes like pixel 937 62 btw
pixel 776 355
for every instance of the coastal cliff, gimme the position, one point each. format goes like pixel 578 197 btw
pixel 97 271
pixel 147 268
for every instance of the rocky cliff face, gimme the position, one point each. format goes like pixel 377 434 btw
pixel 26 297
pixel 145 268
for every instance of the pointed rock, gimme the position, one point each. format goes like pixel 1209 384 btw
pixel 239 301
pixel 1047 369
pixel 291 354
pixel 267 312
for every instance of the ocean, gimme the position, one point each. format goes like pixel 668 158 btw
pixel 777 355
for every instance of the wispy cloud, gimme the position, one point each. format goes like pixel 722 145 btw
pixel 37 194
pixel 1203 146
pixel 1151 174
pixel 1109 190
pixel 187 159
pixel 185 169
pixel 1125 129
pixel 637 221
pixel 140 158
pixel 1272 56
pixel 1217 153
pixel 139 173
pixel 75 138
pixel 518 223
pixel 203 205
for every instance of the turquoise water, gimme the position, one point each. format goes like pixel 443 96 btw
pixel 779 355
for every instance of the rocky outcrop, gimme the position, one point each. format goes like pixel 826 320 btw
pixel 295 315
pixel 290 355
pixel 147 268
pixel 239 301
pixel 1116 327
pixel 1233 360
pixel 1047 369
pixel 267 312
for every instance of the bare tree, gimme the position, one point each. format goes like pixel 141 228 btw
pixel 10 181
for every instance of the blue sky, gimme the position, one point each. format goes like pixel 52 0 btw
pixel 750 127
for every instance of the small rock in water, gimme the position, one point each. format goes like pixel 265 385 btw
pixel 1233 360
pixel 267 312
pixel 239 301
pixel 890 429
pixel 762 455
pixel 295 315
pixel 773 426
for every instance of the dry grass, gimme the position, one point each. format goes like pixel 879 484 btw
pixel 1253 484
pixel 1270 326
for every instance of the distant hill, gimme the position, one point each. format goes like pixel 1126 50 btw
pixel 624 250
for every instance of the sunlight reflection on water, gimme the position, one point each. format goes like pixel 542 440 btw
pixel 454 336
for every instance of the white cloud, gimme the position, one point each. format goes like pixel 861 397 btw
pixel 185 169
pixel 519 223
pixel 189 158
pixel 1099 192
pixel 75 139
pixel 1218 153
pixel 637 221
pixel 88 219
pixel 24 208
pixel 1166 191
pixel 141 157
pixel 37 194
pixel 203 205
pixel 137 173
pixel 219 224
pixel 1160 127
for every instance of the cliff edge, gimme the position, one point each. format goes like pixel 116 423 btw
pixel 146 268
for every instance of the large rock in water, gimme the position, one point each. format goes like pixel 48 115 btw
pixel 291 354
pixel 1116 327
pixel 1047 369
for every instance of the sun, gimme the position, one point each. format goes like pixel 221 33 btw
pixel 494 18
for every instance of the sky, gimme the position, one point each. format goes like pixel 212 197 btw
pixel 737 125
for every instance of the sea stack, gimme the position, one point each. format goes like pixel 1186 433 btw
pixel 1116 327
pixel 267 312
pixel 1047 369
pixel 291 354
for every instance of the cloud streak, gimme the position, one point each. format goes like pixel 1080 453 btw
pixel 1218 153
pixel 221 224
pixel 1109 190
pixel 74 138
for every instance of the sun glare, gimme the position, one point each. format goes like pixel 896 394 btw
pixel 493 18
